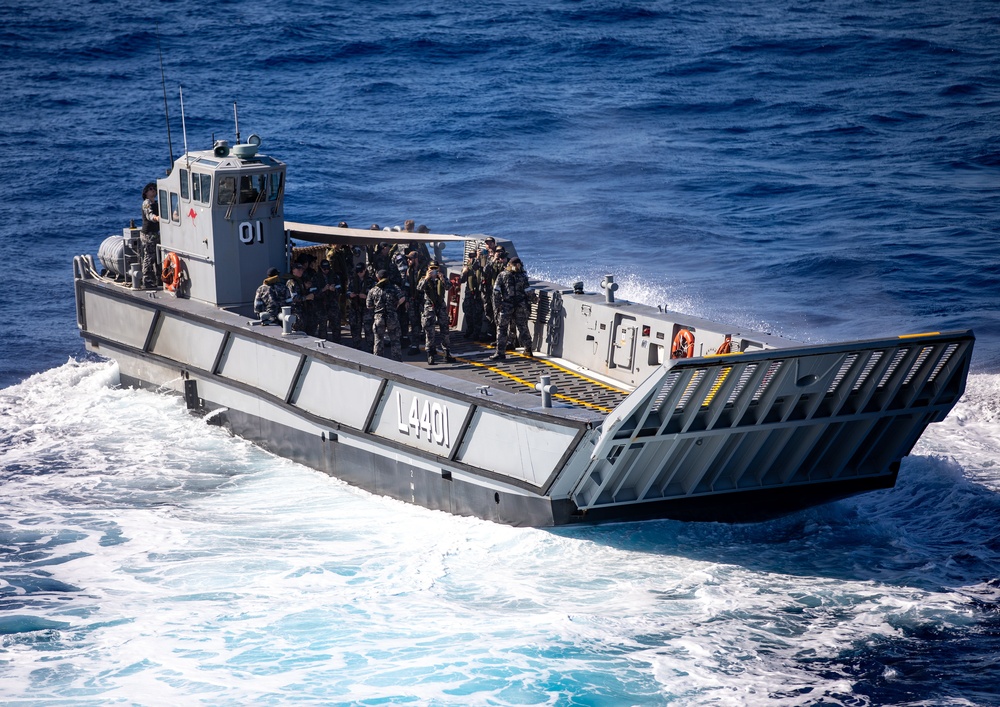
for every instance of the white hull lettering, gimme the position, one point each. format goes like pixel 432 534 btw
pixel 424 420
pixel 251 231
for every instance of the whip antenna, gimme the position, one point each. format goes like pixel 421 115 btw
pixel 166 110
pixel 236 117
pixel 184 127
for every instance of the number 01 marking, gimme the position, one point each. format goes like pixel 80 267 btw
pixel 251 231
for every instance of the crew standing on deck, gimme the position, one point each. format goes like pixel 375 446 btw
pixel 149 237
pixel 341 259
pixel 415 299
pixel 435 286
pixel 328 304
pixel 299 295
pixel 383 299
pixel 495 264
pixel 359 318
pixel 513 305
pixel 379 259
pixel 271 296
pixel 472 298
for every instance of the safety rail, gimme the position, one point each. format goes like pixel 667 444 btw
pixel 781 417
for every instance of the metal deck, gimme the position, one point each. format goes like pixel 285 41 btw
pixel 520 374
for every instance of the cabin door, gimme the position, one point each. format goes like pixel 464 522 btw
pixel 623 345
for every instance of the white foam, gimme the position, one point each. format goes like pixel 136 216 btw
pixel 971 433
pixel 210 570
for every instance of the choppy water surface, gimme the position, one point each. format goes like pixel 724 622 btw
pixel 818 171
pixel 148 556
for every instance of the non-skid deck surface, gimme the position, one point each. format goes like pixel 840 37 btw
pixel 519 374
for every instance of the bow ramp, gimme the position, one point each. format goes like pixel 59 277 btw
pixel 788 423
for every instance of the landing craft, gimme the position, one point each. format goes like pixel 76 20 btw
pixel 625 412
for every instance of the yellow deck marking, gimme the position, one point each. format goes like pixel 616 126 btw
pixel 577 375
pixel 528 384
pixel 914 336
pixel 567 370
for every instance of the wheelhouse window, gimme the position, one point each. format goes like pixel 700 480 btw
pixel 206 188
pixel 185 194
pixel 175 208
pixel 274 184
pixel 227 190
pixel 164 211
pixel 251 187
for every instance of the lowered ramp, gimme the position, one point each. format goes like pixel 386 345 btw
pixel 791 418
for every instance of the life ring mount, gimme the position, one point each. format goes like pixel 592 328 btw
pixel 683 345
pixel 173 275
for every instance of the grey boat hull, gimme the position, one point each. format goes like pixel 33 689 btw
pixel 400 479
pixel 639 462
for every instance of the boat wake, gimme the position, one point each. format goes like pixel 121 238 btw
pixel 146 550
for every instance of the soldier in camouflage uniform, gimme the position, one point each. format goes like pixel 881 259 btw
pixel 341 259
pixel 495 263
pixel 314 283
pixel 380 258
pixel 271 296
pixel 328 304
pixel 414 299
pixel 149 237
pixel 359 317
pixel 299 296
pixel 435 286
pixel 383 299
pixel 472 298
pixel 513 304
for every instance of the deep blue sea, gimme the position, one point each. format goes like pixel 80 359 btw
pixel 819 170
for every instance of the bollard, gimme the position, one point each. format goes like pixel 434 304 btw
pixel 287 320
pixel 546 388
pixel 609 286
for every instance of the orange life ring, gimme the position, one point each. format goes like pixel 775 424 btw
pixel 683 346
pixel 725 347
pixel 172 274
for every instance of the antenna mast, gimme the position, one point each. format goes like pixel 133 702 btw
pixel 236 117
pixel 184 126
pixel 166 110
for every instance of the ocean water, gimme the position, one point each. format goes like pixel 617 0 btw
pixel 821 171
